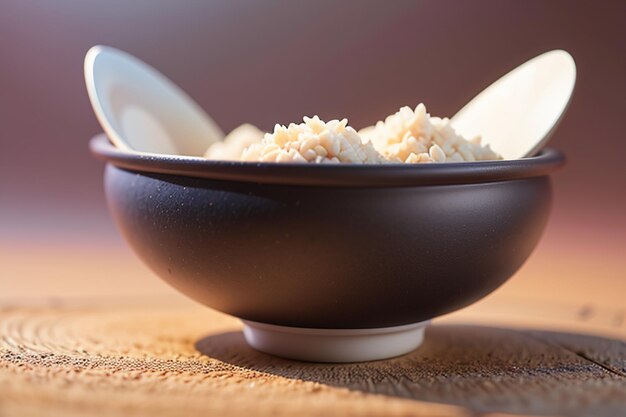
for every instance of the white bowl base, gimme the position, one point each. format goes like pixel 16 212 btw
pixel 334 345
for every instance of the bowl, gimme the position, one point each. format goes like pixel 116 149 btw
pixel 334 263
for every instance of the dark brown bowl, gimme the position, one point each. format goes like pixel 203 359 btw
pixel 329 246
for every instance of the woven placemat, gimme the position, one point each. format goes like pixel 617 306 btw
pixel 182 360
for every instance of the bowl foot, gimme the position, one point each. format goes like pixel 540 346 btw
pixel 334 345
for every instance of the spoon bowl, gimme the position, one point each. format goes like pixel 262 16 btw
pixel 517 114
pixel 141 110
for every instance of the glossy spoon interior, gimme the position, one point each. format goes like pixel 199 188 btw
pixel 517 114
pixel 141 110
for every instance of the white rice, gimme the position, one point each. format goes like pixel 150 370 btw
pixel 408 136
pixel 313 141
pixel 413 136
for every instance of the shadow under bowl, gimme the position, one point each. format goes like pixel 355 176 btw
pixel 329 246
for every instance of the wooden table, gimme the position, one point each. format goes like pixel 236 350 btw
pixel 83 335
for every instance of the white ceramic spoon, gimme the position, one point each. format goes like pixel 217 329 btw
pixel 517 114
pixel 141 110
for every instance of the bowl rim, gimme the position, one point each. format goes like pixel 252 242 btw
pixel 328 175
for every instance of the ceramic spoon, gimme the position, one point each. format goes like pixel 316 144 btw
pixel 141 110
pixel 517 114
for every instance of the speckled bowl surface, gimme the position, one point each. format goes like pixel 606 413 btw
pixel 329 246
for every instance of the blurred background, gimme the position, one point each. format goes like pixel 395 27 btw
pixel 274 61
